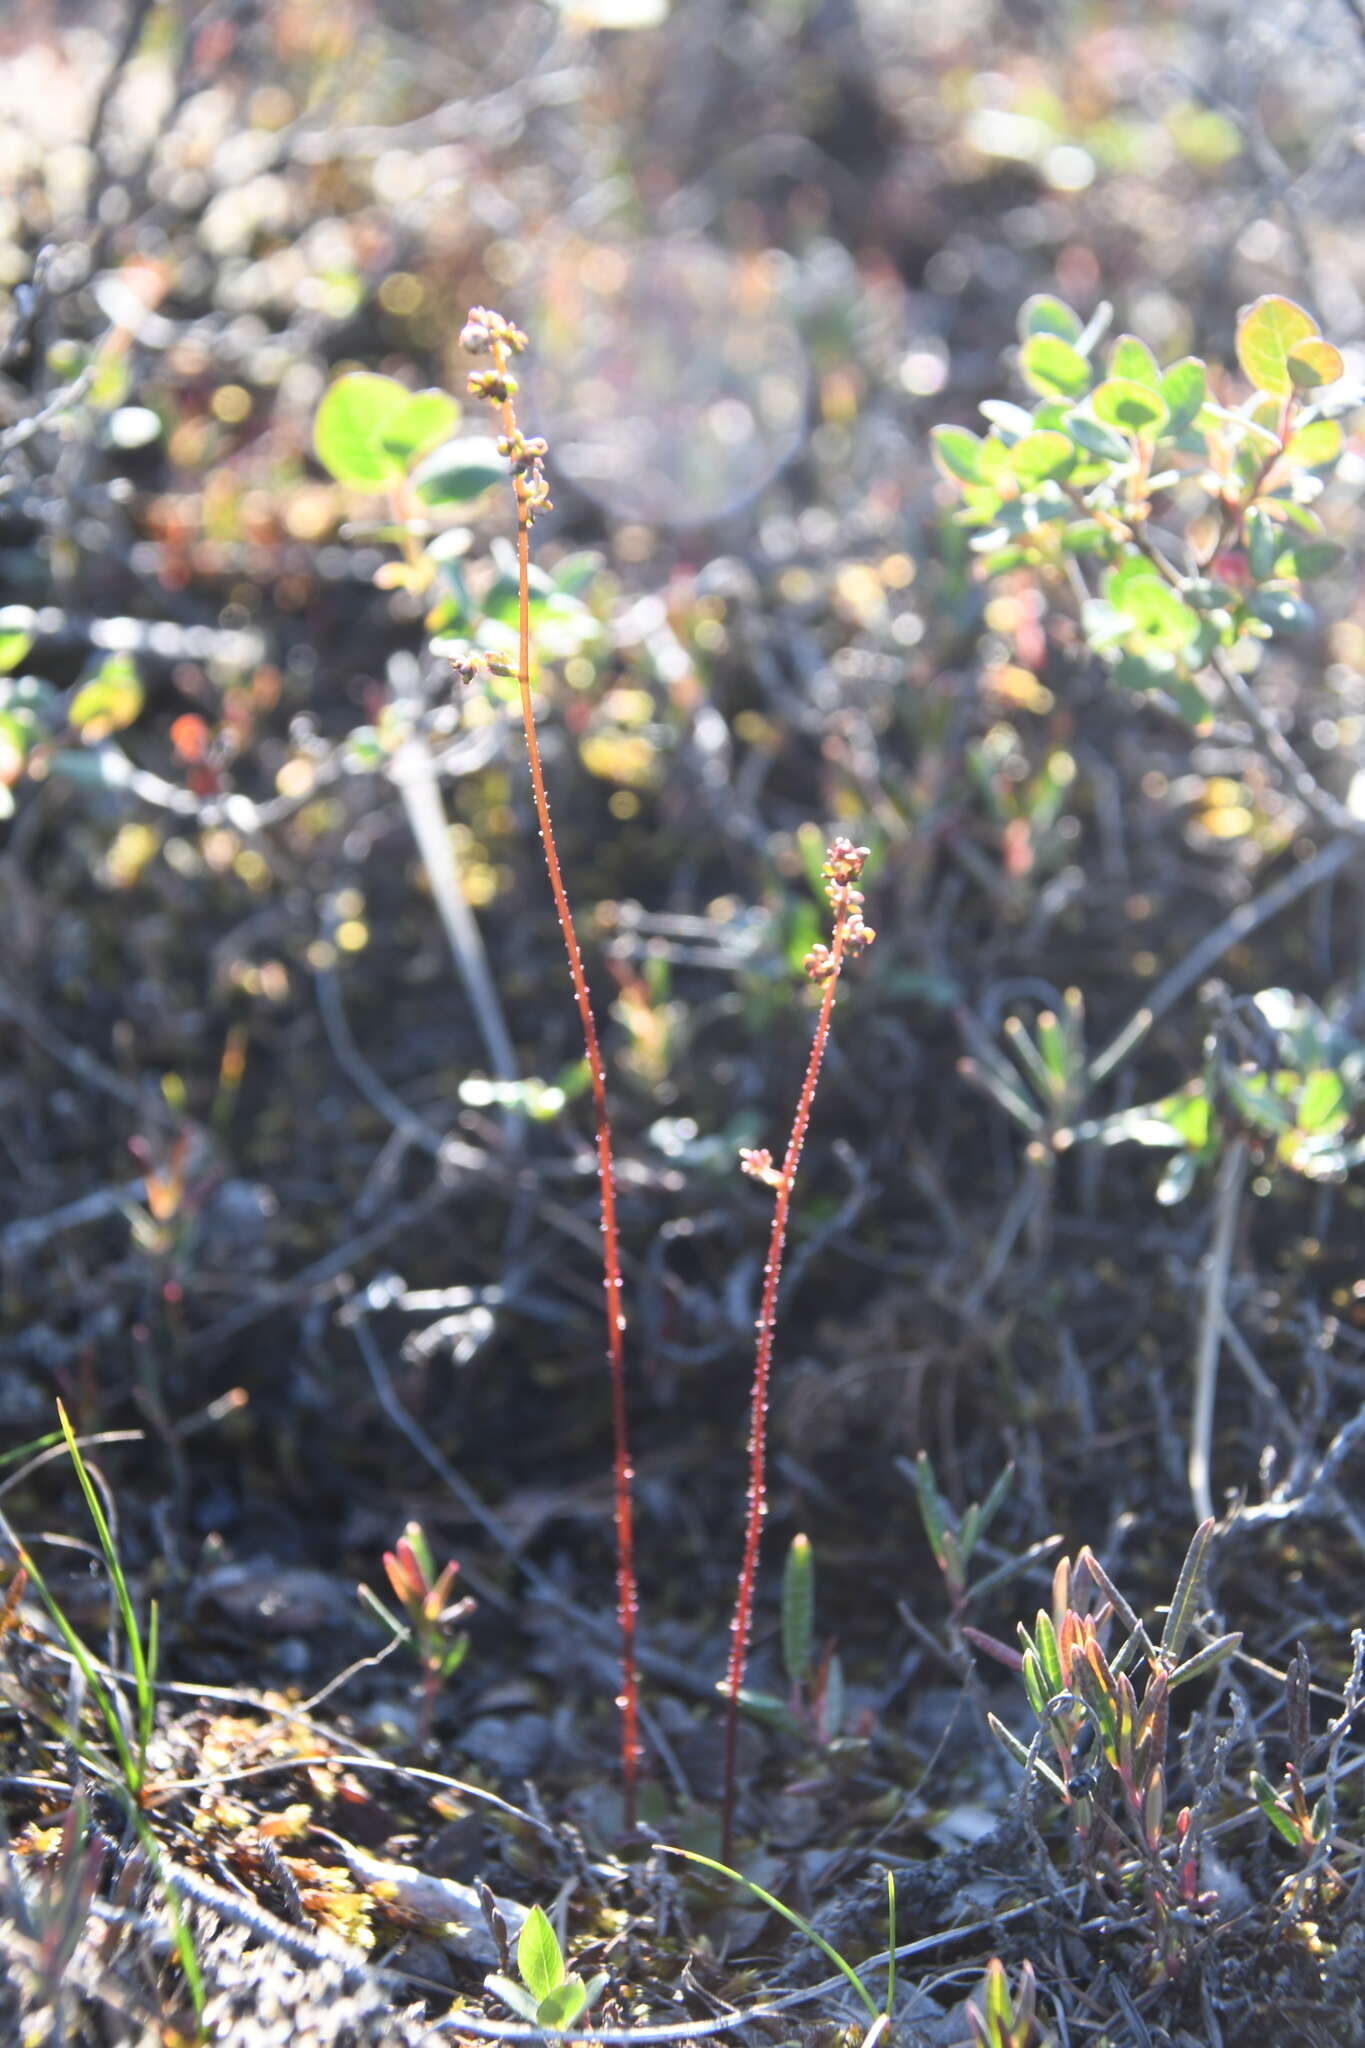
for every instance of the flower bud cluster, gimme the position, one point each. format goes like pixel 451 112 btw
pixel 487 333
pixel 843 865
pixel 479 661
pixel 523 451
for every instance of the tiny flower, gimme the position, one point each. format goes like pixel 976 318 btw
pixel 759 1166
pixel 494 385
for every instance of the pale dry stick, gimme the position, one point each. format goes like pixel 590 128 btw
pixel 1227 1207
pixel 414 773
pixel 843 866
pixel 487 333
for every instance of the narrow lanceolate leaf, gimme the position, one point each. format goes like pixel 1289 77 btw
pixel 1048 1654
pixel 1204 1660
pixel 798 1610
pixel 1034 1684
pixel 1279 1816
pixel 538 1956
pixel 930 1505
pixel 995 1499
pixel 1182 1609
pixel 1154 1808
pixel 1020 1752
pixel 999 2006
pixel 991 1646
pixel 1265 336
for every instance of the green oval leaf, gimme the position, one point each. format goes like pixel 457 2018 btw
pixel 1315 445
pixel 560 2008
pixel 348 433
pixel 1130 407
pixel 459 472
pixel 1041 455
pixel 957 451
pixel 538 1955
pixel 1043 314
pixel 1132 359
pixel 1086 431
pixel 1265 335
pixel 1053 367
pixel 1184 388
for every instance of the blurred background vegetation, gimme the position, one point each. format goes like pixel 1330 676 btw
pixel 265 1187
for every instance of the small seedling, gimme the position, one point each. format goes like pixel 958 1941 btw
pixel 548 1995
pixel 813 1710
pixel 1108 1745
pixel 428 1615
pixel 953 1537
pixel 1006 2019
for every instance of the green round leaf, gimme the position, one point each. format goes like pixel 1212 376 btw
pixel 1041 455
pixel 957 452
pixel 1313 362
pixel 1316 444
pixel 459 472
pixel 425 418
pixel 1161 619
pixel 1265 336
pixel 1054 368
pixel 1042 314
pixel 351 423
pixel 1132 359
pixel 1131 408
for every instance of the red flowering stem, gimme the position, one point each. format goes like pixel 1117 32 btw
pixel 758 1411
pixel 626 1596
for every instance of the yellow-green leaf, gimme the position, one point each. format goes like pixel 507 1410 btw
pixel 109 701
pixel 1265 336
pixel 1314 362
pixel 350 428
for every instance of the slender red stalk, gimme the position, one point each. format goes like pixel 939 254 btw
pixel 850 934
pixel 530 499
